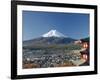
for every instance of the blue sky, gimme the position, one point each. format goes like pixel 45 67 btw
pixel 73 25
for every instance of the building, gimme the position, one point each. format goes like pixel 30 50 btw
pixel 85 53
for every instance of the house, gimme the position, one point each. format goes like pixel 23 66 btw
pixel 85 53
pixel 78 42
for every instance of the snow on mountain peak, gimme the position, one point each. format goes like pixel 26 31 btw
pixel 53 33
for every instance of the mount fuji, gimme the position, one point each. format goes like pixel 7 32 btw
pixel 53 37
pixel 53 33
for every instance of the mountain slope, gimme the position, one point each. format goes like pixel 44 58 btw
pixel 48 41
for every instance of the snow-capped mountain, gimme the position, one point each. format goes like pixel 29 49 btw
pixel 53 33
pixel 53 37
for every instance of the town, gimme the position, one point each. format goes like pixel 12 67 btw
pixel 49 58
